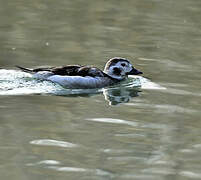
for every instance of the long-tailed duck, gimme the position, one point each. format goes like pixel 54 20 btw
pixel 116 70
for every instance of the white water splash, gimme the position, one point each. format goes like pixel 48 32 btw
pixel 146 83
pixel 14 82
pixel 19 83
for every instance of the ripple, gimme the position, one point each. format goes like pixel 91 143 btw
pixel 181 92
pixel 190 174
pixel 162 162
pixel 138 176
pixel 50 142
pixel 45 162
pixel 98 172
pixel 113 121
pixel 68 169
pixel 170 64
pixel 49 162
pixel 116 151
pixel 130 135
pixel 186 151
pixel 173 108
pixel 55 165
pixel 127 159
pixel 164 108
pixel 162 171
pixel 148 59
pixel 52 164
pixel 197 146
pixel 131 123
pixel 175 85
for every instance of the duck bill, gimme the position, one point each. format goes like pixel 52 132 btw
pixel 134 72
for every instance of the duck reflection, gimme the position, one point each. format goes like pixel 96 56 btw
pixel 120 95
pixel 114 95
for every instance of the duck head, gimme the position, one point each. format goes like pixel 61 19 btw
pixel 119 68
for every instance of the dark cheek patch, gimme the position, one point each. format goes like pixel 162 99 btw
pixel 117 71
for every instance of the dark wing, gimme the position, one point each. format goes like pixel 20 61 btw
pixel 90 71
pixel 69 70
pixel 77 70
pixel 35 70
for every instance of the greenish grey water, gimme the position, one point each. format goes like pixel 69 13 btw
pixel 155 135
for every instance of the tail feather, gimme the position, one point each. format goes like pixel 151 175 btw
pixel 25 69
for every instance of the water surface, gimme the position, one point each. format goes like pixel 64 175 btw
pixel 152 132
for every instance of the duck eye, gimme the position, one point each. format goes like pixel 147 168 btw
pixel 123 64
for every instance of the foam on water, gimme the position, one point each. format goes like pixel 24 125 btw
pixel 146 83
pixel 14 82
